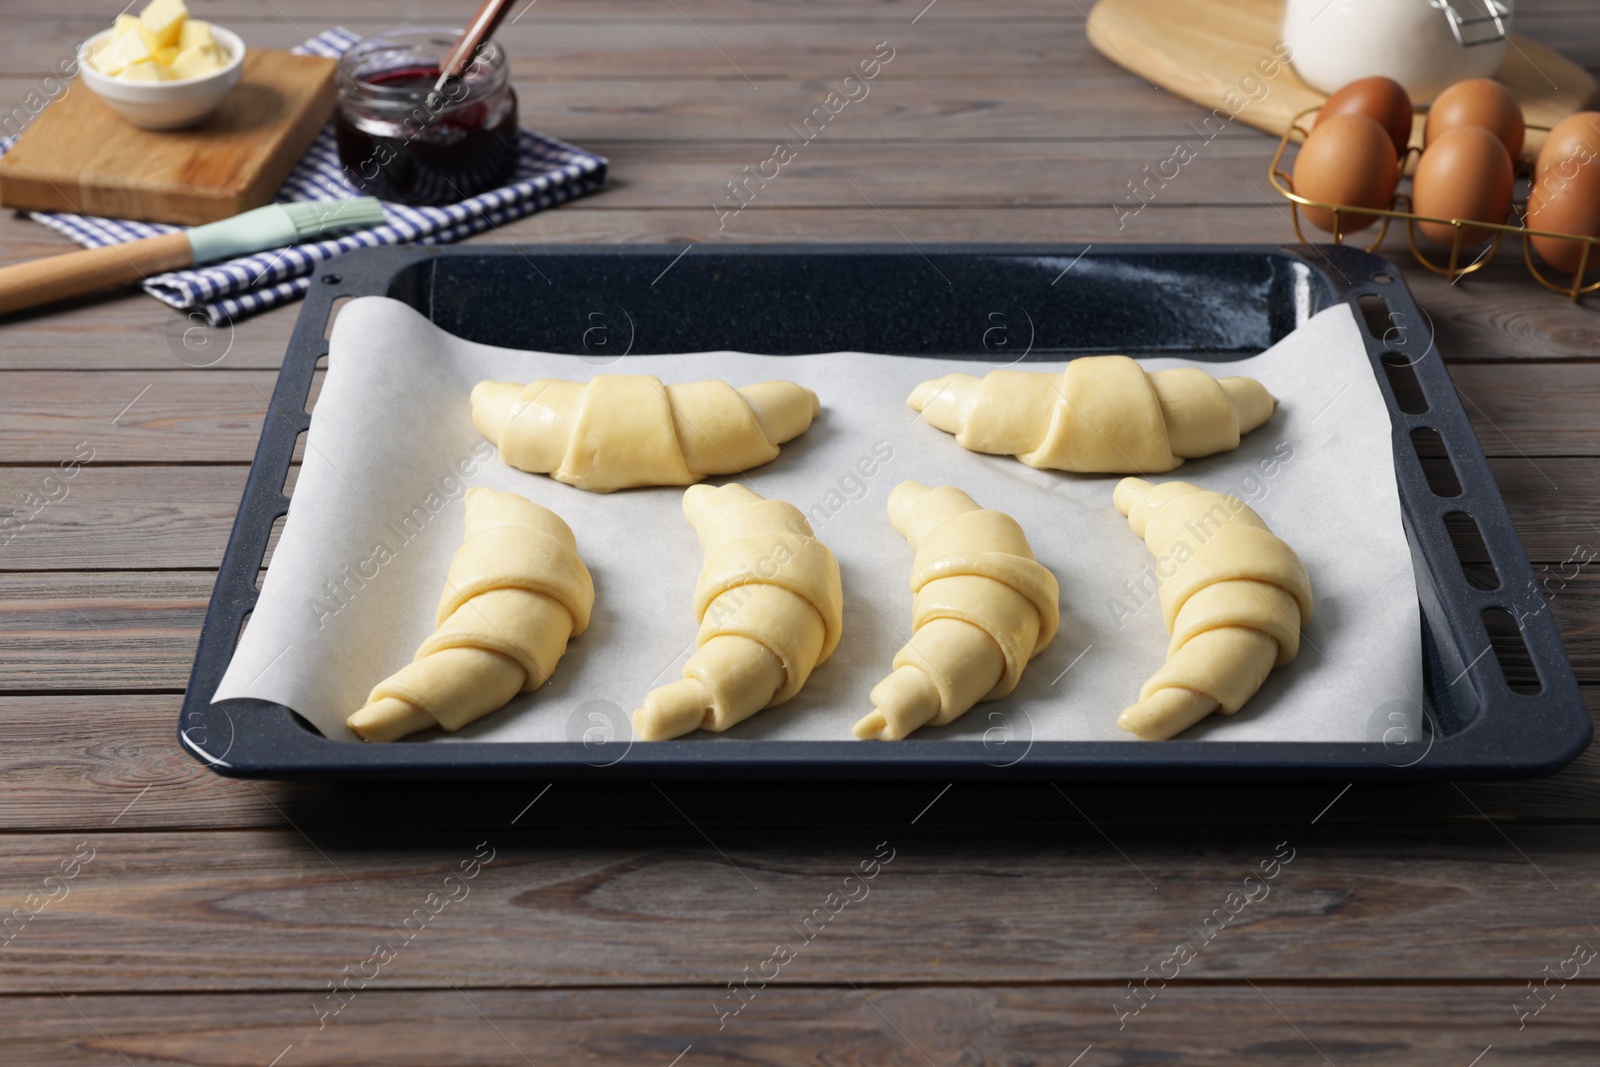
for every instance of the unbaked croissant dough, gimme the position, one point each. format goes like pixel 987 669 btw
pixel 984 607
pixel 619 431
pixel 515 592
pixel 770 608
pixel 1233 596
pixel 1103 415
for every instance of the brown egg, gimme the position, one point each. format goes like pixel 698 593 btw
pixel 1383 100
pixel 1477 102
pixel 1568 203
pixel 1347 160
pixel 1464 174
pixel 1573 137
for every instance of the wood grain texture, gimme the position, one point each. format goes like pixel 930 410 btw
pixel 898 110
pixel 662 43
pixel 1202 1025
pixel 287 909
pixel 578 41
pixel 412 11
pixel 178 416
pixel 112 517
pixel 85 631
pixel 665 44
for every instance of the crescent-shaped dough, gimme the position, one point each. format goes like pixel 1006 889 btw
pixel 1103 415
pixel 770 608
pixel 515 592
pixel 984 607
pixel 1233 596
pixel 619 431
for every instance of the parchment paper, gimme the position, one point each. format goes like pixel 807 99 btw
pixel 377 514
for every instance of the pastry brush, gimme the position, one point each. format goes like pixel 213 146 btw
pixel 43 281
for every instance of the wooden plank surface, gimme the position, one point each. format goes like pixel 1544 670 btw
pixel 905 110
pixel 286 909
pixel 668 44
pixel 1199 1025
pixel 1005 930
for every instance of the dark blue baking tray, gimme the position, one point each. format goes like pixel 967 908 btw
pixel 1029 302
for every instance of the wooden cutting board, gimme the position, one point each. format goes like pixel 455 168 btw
pixel 81 156
pixel 1198 49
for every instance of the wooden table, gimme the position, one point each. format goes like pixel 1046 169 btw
pixel 206 921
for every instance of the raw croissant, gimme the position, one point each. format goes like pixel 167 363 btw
pixel 770 607
pixel 515 592
pixel 1233 596
pixel 619 431
pixel 984 607
pixel 1104 415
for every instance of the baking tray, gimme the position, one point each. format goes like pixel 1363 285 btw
pixel 1204 302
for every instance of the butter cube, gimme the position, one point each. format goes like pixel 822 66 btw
pixel 122 52
pixel 95 56
pixel 196 62
pixel 146 70
pixel 195 34
pixel 166 55
pixel 163 21
pixel 124 24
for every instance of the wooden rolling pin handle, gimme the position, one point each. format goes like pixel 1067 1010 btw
pixel 42 281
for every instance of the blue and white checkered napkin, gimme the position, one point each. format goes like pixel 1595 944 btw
pixel 548 172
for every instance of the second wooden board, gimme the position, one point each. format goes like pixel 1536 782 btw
pixel 1201 49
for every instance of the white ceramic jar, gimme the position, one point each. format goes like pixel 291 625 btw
pixel 1335 42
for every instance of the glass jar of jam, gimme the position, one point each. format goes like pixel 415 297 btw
pixel 400 141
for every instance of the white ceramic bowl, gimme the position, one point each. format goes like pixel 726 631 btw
pixel 165 105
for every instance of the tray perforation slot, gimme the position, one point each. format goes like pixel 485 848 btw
pixel 1517 667
pixel 333 313
pixel 291 476
pixel 1437 464
pixel 1476 563
pixel 1403 384
pixel 244 623
pixel 1373 311
pixel 275 532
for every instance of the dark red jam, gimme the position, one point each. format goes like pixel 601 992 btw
pixel 419 154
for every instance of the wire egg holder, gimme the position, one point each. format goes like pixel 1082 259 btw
pixel 1400 209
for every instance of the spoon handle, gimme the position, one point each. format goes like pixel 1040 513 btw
pixel 479 30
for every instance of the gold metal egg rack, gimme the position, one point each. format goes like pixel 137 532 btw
pixel 1400 209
